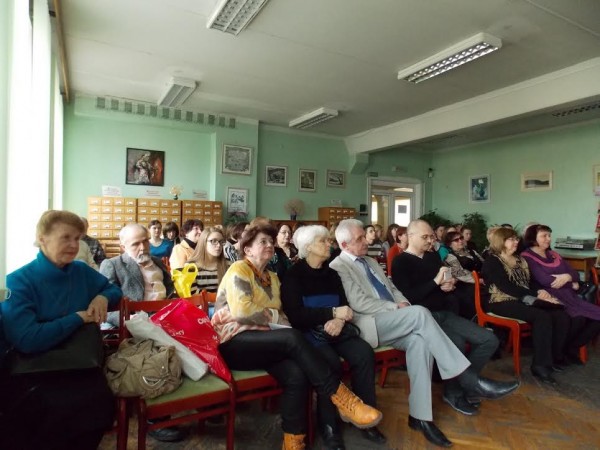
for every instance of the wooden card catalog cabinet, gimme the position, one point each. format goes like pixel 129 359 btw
pixel 334 214
pixel 107 215
pixel 210 213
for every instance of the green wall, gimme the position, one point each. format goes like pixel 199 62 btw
pixel 570 208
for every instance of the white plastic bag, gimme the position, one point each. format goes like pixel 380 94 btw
pixel 141 327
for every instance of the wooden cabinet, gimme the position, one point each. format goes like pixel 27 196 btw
pixel 107 215
pixel 333 214
pixel 210 213
pixel 149 209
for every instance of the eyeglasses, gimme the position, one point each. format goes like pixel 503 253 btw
pixel 458 239
pixel 216 241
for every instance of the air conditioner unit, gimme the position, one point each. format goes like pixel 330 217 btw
pixel 178 90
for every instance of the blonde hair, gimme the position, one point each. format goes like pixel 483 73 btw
pixel 52 217
pixel 200 254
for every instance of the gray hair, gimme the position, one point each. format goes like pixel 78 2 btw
pixel 306 235
pixel 128 229
pixel 343 233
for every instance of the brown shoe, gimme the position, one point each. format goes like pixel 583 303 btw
pixel 293 441
pixel 353 410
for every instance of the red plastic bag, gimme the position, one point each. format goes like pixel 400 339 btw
pixel 191 326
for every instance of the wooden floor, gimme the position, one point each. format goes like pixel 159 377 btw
pixel 534 417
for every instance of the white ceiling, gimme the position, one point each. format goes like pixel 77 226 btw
pixel 299 55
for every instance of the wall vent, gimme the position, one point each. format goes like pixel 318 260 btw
pixel 152 110
pixel 577 110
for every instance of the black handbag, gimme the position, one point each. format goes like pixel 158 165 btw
pixel 82 350
pixel 587 291
pixel 348 331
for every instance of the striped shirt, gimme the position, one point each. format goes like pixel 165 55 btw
pixel 205 279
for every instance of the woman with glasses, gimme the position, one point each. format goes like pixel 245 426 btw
pixel 284 242
pixel 512 294
pixel 208 256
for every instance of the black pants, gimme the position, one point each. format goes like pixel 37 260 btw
pixel 583 330
pixel 466 299
pixel 550 329
pixel 294 363
pixel 359 355
pixel 66 410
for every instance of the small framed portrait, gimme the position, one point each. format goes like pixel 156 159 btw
pixel 307 180
pixel 336 178
pixel 145 167
pixel 479 189
pixel 237 160
pixel 536 181
pixel 237 200
pixel 276 176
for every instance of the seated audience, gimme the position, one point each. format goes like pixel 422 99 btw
pixel 334 248
pixel 420 275
pixel 171 233
pixel 378 233
pixel 400 245
pixel 443 249
pixel 375 248
pixel 248 307
pixel 182 252
pixel 210 260
pixel 486 251
pixel 439 232
pixel 467 235
pixel 84 254
pixel 313 298
pixel 159 247
pixel 284 242
pixel 52 297
pixel 557 277
pixel 231 247
pixel 94 244
pixel 462 262
pixel 512 295
pixel 391 237
pixel 385 317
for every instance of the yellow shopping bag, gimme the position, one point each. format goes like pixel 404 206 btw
pixel 183 279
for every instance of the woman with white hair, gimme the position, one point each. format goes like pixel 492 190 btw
pixel 314 300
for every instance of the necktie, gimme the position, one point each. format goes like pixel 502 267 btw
pixel 382 291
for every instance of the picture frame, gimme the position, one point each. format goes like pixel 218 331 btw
pixel 479 189
pixel 536 181
pixel 276 176
pixel 145 167
pixel 236 160
pixel 307 180
pixel 596 173
pixel 336 178
pixel 237 200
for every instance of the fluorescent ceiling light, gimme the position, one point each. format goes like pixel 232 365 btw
pixel 177 92
pixel 468 50
pixel 232 16
pixel 313 118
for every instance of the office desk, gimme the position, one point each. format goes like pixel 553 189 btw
pixel 580 260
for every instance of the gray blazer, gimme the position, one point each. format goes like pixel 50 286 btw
pixel 362 297
pixel 125 272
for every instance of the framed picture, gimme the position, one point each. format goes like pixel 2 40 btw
pixel 479 189
pixel 336 178
pixel 237 160
pixel 536 181
pixel 597 180
pixel 145 167
pixel 237 200
pixel 276 176
pixel 307 180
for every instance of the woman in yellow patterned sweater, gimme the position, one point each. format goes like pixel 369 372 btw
pixel 255 334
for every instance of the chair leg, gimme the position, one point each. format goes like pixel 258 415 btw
pixel 383 376
pixel 122 424
pixel 583 354
pixel 142 425
pixel 516 348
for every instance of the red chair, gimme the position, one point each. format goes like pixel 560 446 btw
pixel 596 280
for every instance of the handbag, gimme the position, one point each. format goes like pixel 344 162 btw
pixel 84 349
pixel 587 291
pixel 348 331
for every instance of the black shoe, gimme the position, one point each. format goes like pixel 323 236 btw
pixel 374 435
pixel 332 440
pixel 543 374
pixel 491 389
pixel 461 405
pixel 573 358
pixel 559 367
pixel 473 399
pixel 430 431
pixel 167 434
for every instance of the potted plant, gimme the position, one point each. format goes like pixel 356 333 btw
pixel 294 207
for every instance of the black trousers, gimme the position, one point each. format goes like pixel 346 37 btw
pixel 550 329
pixel 583 330
pixel 292 361
pixel 58 411
pixel 359 355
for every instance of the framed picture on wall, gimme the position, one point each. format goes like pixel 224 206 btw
pixel 536 181
pixel 307 180
pixel 237 160
pixel 597 180
pixel 237 200
pixel 479 189
pixel 276 176
pixel 145 167
pixel 336 178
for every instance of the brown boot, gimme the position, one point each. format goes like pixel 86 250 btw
pixel 353 410
pixel 293 441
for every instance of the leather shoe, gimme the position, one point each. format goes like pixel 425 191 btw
pixel 460 404
pixel 332 440
pixel 430 431
pixel 473 399
pixel 167 434
pixel 374 435
pixel 492 389
pixel 543 374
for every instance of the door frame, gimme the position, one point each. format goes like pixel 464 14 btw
pixel 416 184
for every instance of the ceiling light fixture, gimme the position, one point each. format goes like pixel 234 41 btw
pixel 232 16
pixel 313 118
pixel 465 51
pixel 177 92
